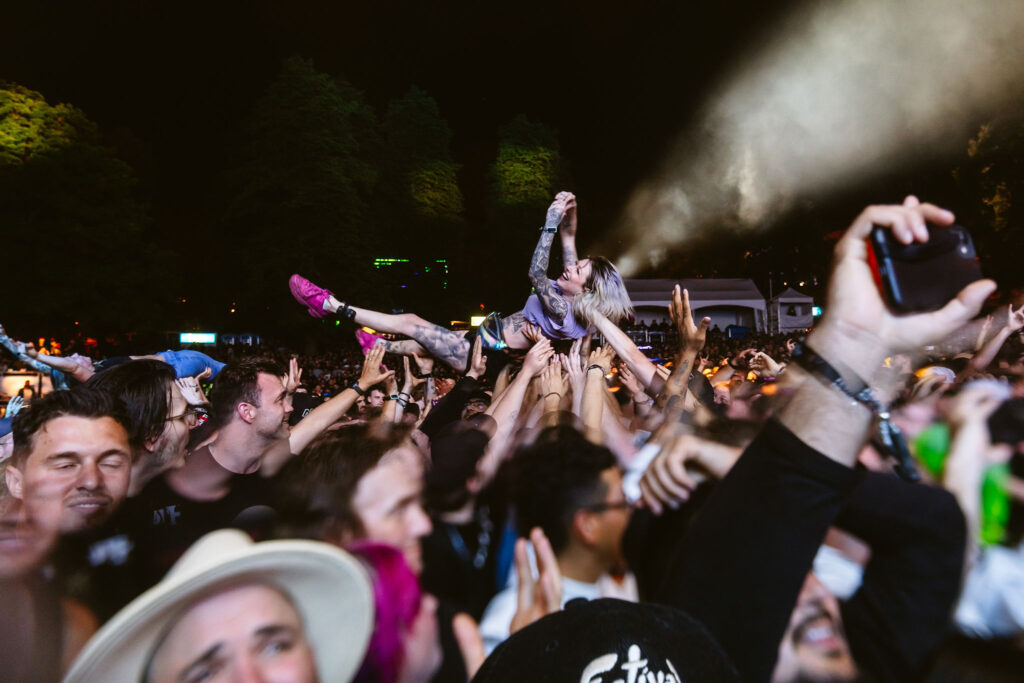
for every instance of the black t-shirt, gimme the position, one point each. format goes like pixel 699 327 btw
pixel 460 560
pixel 165 523
pixel 302 403
pixel 99 567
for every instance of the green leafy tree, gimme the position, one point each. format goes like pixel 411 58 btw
pixel 418 201
pixel 525 176
pixel 74 230
pixel 300 192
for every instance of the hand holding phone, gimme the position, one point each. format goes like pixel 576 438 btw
pixel 923 276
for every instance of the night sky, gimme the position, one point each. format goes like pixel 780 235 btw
pixel 169 83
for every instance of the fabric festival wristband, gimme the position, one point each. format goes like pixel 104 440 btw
pixel 356 388
pixel 598 367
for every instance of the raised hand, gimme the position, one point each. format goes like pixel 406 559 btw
pixel 602 356
pixel 681 465
pixel 630 381
pixel 557 210
pixel 691 336
pixel 372 369
pixel 191 390
pixel 552 381
pixel 410 381
pixel 538 597
pixel 857 327
pixel 532 332
pixel 573 366
pixel 537 358
pixel 294 376
pixel 764 365
pixel 568 225
pixel 14 406
pixel 477 360
pixel 425 364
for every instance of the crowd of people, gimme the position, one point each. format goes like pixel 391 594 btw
pixel 538 499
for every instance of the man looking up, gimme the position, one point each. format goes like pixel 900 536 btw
pixel 72 445
pixel 572 490
pixel 251 404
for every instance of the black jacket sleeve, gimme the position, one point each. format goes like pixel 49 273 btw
pixel 904 606
pixel 743 561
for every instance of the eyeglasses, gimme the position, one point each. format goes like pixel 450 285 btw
pixel 607 505
pixel 190 417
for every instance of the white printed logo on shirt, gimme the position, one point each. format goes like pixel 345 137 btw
pixel 635 668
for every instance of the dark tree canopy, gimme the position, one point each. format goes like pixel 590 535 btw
pixel 299 195
pixel 75 232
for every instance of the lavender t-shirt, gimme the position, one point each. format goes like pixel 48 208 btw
pixel 567 329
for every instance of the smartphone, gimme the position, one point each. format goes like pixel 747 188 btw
pixel 920 277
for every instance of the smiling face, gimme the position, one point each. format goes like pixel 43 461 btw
pixel 574 278
pixel 814 647
pixel 83 462
pixel 274 409
pixel 246 633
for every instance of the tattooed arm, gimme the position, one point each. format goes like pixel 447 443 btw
pixel 555 307
pixel 567 231
pixel 691 341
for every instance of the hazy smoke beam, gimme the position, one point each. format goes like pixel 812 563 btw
pixel 844 89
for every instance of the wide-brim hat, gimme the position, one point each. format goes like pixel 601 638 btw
pixel 329 587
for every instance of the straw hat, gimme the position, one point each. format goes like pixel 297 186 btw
pixel 329 587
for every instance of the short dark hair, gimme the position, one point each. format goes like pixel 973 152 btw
pixel 83 401
pixel 316 488
pixel 239 383
pixel 455 452
pixel 554 478
pixel 143 387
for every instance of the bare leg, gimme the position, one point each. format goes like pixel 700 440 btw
pixel 446 345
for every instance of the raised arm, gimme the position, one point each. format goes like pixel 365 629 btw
pixel 505 408
pixel 691 341
pixel 567 232
pixel 988 352
pixel 554 305
pixel 325 414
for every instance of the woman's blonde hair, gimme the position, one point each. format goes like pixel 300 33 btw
pixel 604 293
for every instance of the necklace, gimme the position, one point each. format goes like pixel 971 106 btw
pixel 483 538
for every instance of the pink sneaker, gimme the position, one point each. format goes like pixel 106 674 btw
pixel 309 295
pixel 366 339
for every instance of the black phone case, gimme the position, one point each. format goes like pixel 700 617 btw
pixel 924 277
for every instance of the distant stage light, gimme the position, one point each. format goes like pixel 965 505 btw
pixel 197 338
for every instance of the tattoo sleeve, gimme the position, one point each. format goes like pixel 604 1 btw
pixel 554 305
pixel 569 252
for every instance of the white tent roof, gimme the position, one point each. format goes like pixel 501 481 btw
pixel 790 295
pixel 703 292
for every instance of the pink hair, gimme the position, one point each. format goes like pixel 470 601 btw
pixel 396 596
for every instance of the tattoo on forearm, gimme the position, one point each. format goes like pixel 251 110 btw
pixel 569 254
pixel 554 305
pixel 541 256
